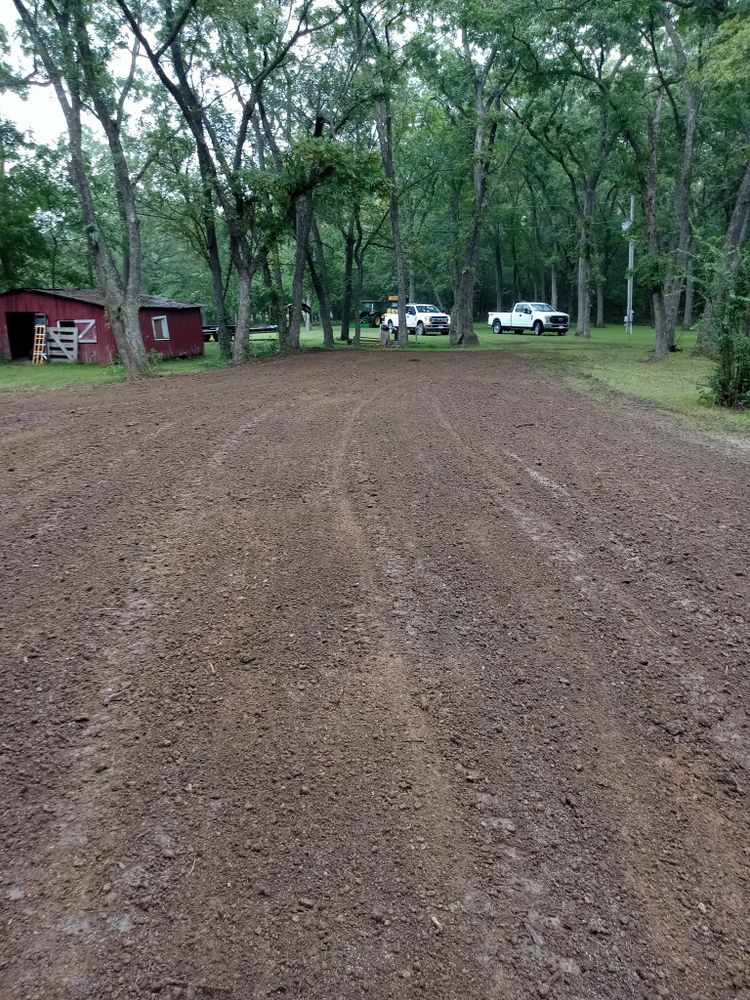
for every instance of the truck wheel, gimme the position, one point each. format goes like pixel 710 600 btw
pixel 497 326
pixel 420 329
pixel 538 328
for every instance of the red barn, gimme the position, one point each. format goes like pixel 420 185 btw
pixel 78 329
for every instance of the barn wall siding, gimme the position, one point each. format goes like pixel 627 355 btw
pixel 57 309
pixel 185 332
pixel 185 325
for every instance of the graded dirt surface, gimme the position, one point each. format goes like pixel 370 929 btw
pixel 371 676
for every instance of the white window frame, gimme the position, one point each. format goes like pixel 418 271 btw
pixel 160 340
pixel 87 335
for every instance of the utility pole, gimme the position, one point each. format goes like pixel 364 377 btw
pixel 626 227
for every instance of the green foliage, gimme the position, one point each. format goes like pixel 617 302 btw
pixel 41 235
pixel 729 383
pixel 113 372
pixel 351 167
pixel 571 78
pixel 727 60
pixel 725 281
pixel 155 361
pixel 5 74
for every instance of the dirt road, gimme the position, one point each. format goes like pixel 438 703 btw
pixel 370 676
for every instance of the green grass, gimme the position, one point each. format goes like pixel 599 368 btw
pixel 23 375
pixel 612 363
pixel 608 364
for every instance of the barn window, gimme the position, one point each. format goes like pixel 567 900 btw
pixel 161 330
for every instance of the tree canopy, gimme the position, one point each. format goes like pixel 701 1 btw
pixel 258 157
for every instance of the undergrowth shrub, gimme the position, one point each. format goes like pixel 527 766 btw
pixel 155 361
pixel 115 371
pixel 729 382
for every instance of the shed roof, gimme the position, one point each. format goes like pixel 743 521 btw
pixel 94 297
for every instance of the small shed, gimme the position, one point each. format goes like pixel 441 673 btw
pixel 78 329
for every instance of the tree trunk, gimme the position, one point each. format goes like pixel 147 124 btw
pixel 346 303
pixel 53 256
pixel 553 287
pixel 462 320
pixel 385 134
pixel 123 318
pixel 514 263
pixel 273 282
pixel 600 303
pixel 358 287
pixel 687 313
pixel 200 126
pixel 241 349
pixel 324 303
pixel 675 281
pixel 652 228
pixel 497 261
pixel 316 260
pixel 583 317
pixel 213 256
pixel 120 286
pixel 303 220
pixel 217 282
pixel 359 264
pixel 663 345
pixel 485 132
pixel 736 236
pixel 673 288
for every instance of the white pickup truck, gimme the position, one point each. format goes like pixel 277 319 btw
pixel 535 317
pixel 420 318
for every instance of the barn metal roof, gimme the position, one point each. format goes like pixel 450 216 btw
pixel 94 297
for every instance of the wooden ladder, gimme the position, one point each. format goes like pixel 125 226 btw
pixel 40 342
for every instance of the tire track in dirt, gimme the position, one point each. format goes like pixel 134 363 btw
pixel 394 679
pixel 103 710
pixel 562 550
pixel 511 882
pixel 204 960
pixel 658 901
pixel 480 910
pixel 361 714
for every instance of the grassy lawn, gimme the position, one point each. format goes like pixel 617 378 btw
pixel 608 364
pixel 23 375
pixel 612 363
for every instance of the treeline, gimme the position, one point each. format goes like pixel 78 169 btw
pixel 255 156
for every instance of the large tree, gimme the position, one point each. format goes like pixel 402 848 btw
pixel 73 40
